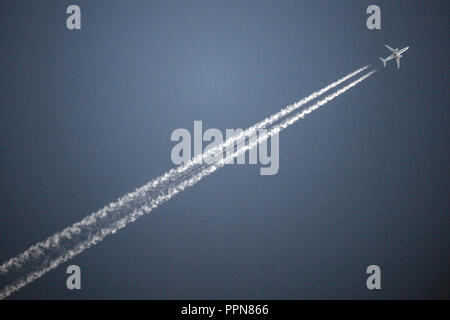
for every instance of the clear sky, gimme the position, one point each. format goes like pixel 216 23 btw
pixel 86 116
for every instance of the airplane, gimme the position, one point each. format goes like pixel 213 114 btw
pixel 396 53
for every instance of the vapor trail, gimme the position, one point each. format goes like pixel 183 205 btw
pixel 59 248
pixel 172 175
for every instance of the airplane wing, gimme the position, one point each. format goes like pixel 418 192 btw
pixel 391 49
pixel 392 56
pixel 398 62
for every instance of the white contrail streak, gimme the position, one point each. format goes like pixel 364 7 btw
pixel 59 248
pixel 173 173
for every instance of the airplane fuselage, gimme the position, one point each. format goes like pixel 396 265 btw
pixel 398 53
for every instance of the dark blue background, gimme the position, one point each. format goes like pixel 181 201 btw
pixel 86 116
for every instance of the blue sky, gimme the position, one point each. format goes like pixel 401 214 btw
pixel 87 115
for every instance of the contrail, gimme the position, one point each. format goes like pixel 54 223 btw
pixel 59 248
pixel 174 174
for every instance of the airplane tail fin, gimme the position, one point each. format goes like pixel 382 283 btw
pixel 384 61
